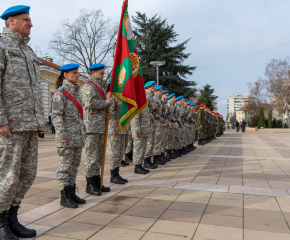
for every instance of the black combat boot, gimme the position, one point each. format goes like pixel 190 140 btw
pixel 148 164
pixel 177 154
pixel 157 160
pixel 124 164
pixel 139 169
pixel 66 199
pixel 5 232
pixel 18 229
pixel 74 197
pixel 123 179
pixel 98 184
pixel 169 154
pixel 165 158
pixel 199 142
pixel 184 152
pixel 92 187
pixel 127 159
pixel 115 177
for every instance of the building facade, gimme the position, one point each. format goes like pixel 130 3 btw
pixel 234 103
pixel 49 73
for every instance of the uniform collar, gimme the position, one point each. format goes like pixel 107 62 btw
pixel 15 36
pixel 158 96
pixel 96 80
pixel 149 92
pixel 74 88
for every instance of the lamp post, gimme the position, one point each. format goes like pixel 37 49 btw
pixel 157 64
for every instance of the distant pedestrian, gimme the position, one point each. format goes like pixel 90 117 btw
pixel 237 126
pixel 243 125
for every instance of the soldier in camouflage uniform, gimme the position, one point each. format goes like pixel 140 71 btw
pixel 117 140
pixel 201 124
pixel 157 150
pixel 173 127
pixel 95 107
pixel 194 124
pixel 141 128
pixel 166 143
pixel 21 117
pixel 153 109
pixel 70 133
pixel 180 120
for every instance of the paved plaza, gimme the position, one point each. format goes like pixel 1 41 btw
pixel 235 187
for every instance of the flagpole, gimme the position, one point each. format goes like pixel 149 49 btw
pixel 105 146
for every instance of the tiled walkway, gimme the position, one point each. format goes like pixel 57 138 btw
pixel 236 187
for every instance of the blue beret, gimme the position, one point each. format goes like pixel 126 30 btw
pixel 164 91
pixel 171 95
pixel 97 66
pixel 12 11
pixel 192 104
pixel 110 80
pixel 179 98
pixel 67 67
pixel 188 102
pixel 149 84
pixel 158 87
pixel 185 100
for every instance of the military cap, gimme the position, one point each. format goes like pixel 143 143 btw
pixel 16 10
pixel 179 98
pixel 171 95
pixel 188 103
pixel 97 66
pixel 192 104
pixel 149 84
pixel 68 67
pixel 196 110
pixel 110 80
pixel 164 91
pixel 201 105
pixel 185 100
pixel 158 87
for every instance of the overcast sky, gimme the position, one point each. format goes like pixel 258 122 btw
pixel 231 41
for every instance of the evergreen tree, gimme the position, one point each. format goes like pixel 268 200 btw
pixel 261 118
pixel 270 119
pixel 209 90
pixel 204 98
pixel 155 40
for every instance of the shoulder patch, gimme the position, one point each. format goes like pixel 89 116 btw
pixel 88 93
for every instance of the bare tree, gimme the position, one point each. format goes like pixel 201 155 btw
pixel 89 39
pixel 277 75
pixel 233 121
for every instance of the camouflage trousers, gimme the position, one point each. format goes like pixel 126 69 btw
pixel 201 133
pixel 170 137
pixel 118 145
pixel 158 140
pixel 139 148
pixel 69 160
pixel 177 142
pixel 94 154
pixel 193 133
pixel 165 138
pixel 129 141
pixel 150 141
pixel 183 135
pixel 18 167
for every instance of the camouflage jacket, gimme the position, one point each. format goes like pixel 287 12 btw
pixel 21 105
pixel 189 116
pixel 115 110
pixel 152 105
pixel 200 118
pixel 66 118
pixel 159 104
pixel 179 113
pixel 171 107
pixel 141 123
pixel 94 105
pixel 165 111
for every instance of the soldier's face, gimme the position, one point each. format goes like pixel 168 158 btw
pixel 165 96
pixel 159 92
pixel 72 76
pixel 99 73
pixel 152 88
pixel 21 24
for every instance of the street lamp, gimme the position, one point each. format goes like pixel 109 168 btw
pixel 157 64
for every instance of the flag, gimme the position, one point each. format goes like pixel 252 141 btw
pixel 127 79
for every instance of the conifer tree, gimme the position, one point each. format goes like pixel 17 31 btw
pixel 270 119
pixel 204 98
pixel 156 41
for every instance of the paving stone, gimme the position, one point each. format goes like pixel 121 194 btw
pixel 174 228
pixel 222 220
pixel 109 233
pixel 146 212
pixel 75 230
pixel 159 236
pixel 185 206
pixel 110 207
pixel 261 235
pixel 181 216
pixel 97 218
